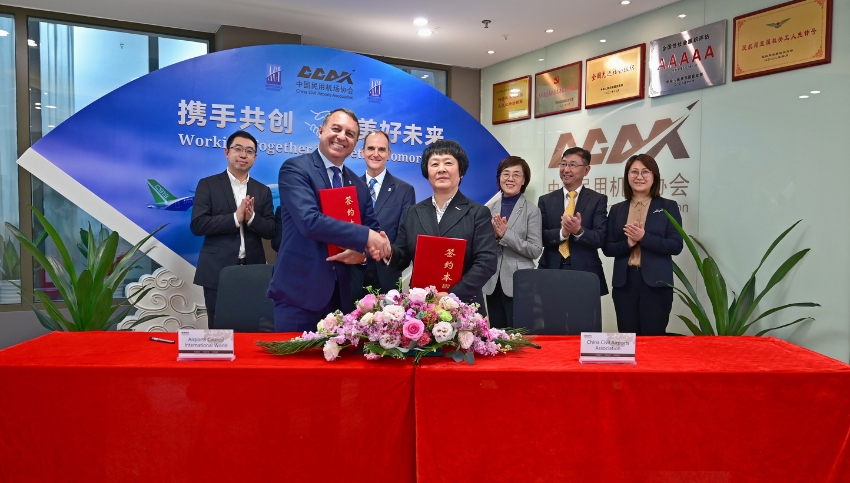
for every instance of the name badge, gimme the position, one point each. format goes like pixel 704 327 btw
pixel 205 345
pixel 607 348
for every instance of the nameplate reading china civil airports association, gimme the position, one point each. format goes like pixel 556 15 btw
pixel 205 345
pixel 607 348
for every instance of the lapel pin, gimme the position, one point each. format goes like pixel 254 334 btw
pixel 457 208
pixel 658 211
pixel 389 189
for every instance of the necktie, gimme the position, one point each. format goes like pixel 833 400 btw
pixel 337 180
pixel 564 247
pixel 372 183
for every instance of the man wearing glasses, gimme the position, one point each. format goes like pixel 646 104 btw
pixel 575 220
pixel 233 213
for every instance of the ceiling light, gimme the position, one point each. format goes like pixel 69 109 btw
pixel 814 92
pixel 491 51
pixel 625 2
pixel 50 107
pixel 31 43
pixel 37 107
pixel 549 31
pixel 425 76
pixel 682 16
pixel 425 32
pixel 541 60
pixel 603 40
pixel 804 97
pixel 420 21
pixel 3 33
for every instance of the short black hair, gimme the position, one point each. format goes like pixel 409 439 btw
pixel 582 153
pixel 241 134
pixel 350 114
pixel 510 162
pixel 445 146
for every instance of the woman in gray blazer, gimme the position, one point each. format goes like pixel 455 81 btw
pixel 517 225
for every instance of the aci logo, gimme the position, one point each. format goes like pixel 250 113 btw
pixel 375 86
pixel 273 77
pixel 329 76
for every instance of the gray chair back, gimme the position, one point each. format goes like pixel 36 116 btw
pixel 557 302
pixel 241 304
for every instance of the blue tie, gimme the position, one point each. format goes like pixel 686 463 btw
pixel 337 180
pixel 372 183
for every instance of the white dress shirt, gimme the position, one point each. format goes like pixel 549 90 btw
pixel 240 191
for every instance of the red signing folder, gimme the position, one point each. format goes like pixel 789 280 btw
pixel 438 262
pixel 340 204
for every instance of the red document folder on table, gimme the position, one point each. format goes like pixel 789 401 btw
pixel 341 204
pixel 438 262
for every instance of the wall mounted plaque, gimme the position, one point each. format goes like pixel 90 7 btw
pixel 689 60
pixel 615 77
pixel 511 100
pixel 557 90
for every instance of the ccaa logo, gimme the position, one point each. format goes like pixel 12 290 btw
pixel 319 74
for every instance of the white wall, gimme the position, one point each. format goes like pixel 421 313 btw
pixel 765 158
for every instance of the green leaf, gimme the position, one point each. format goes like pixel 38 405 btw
pixel 741 307
pixel 469 358
pixel 292 346
pixel 693 328
pixel 54 313
pixel 57 240
pixel 697 310
pixel 457 356
pixel 696 306
pixel 778 275
pixel 715 287
pixel 777 309
pixel 773 245
pixel 687 240
pixel 701 246
pixel 765 331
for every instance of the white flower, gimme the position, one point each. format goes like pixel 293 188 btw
pixel 387 341
pixel 443 331
pixel 417 295
pixel 448 303
pixel 394 312
pixel 367 318
pixel 465 338
pixel 320 326
pixel 390 296
pixel 331 350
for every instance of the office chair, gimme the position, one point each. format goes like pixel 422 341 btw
pixel 557 302
pixel 241 304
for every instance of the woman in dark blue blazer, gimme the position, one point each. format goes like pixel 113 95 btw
pixel 642 241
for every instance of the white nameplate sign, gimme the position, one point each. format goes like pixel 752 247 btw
pixel 607 348
pixel 205 345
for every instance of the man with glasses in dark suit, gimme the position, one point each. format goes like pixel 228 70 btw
pixel 233 212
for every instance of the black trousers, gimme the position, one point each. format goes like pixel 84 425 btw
pixel 500 308
pixel 642 309
pixel 210 295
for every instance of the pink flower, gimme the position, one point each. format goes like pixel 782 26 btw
pixel 465 338
pixel 417 295
pixel 413 329
pixel 330 322
pixel 331 350
pixel 372 357
pixel 368 302
pixel 424 339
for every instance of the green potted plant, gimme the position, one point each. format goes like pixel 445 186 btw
pixel 88 295
pixel 733 318
pixel 10 272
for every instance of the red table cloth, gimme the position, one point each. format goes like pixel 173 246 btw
pixel 693 409
pixel 115 406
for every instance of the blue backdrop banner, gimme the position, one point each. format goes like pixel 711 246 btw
pixel 141 149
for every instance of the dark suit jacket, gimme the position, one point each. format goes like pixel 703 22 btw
pixel 584 252
pixel 302 277
pixel 660 242
pixel 464 218
pixel 278 230
pixel 395 197
pixel 212 218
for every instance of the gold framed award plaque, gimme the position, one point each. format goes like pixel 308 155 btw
pixel 615 77
pixel 511 100
pixel 557 90
pixel 789 36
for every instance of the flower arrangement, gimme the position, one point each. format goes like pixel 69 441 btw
pixel 402 324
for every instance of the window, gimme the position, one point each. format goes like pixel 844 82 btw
pixel 435 78
pixel 10 261
pixel 70 67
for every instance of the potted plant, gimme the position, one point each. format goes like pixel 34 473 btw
pixel 10 272
pixel 733 318
pixel 88 295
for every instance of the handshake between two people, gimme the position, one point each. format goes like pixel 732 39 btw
pixel 377 245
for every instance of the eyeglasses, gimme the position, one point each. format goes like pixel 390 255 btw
pixel 239 149
pixel 570 165
pixel 644 173
pixel 507 175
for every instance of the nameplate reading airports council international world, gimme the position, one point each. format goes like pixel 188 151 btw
pixel 511 101
pixel 607 348
pixel 689 60
pixel 205 345
pixel 615 77
pixel 557 90
pixel 789 36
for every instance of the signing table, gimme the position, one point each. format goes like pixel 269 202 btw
pixel 694 409
pixel 115 406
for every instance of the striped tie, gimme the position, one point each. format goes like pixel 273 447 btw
pixel 372 183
